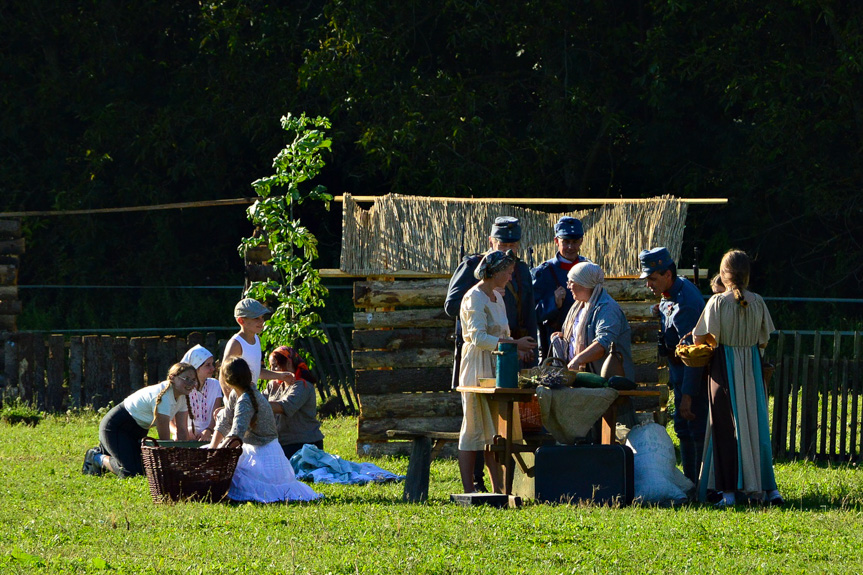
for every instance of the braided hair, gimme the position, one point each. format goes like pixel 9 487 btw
pixel 734 270
pixel 238 375
pixel 176 369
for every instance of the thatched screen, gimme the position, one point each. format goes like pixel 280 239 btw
pixel 419 234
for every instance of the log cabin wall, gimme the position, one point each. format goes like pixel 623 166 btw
pixel 11 248
pixel 403 355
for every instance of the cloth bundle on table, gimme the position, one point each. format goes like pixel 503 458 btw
pixel 318 466
pixel 569 413
pixel 657 478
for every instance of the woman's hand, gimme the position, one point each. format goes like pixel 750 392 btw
pixel 525 343
pixel 686 408
pixel 204 434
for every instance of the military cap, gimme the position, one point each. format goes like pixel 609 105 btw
pixel 655 260
pixel 569 228
pixel 506 229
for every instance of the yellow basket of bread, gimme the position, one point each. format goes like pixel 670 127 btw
pixel 695 355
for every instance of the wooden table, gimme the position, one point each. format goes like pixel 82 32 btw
pixel 508 397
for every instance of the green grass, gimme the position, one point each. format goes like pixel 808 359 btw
pixel 54 519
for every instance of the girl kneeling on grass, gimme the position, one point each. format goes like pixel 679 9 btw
pixel 123 428
pixel 263 472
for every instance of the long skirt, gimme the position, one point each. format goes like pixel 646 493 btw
pixel 265 475
pixel 737 452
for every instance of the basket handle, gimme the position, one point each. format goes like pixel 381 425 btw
pixel 689 335
pixel 229 442
pixel 146 439
pixel 550 360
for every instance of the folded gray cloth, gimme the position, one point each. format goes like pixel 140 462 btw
pixel 569 413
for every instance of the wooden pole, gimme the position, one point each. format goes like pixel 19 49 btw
pixel 56 367
pixel 76 363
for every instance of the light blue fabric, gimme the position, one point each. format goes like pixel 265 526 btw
pixel 318 466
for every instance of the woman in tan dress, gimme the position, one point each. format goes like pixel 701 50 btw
pixel 737 455
pixel 484 325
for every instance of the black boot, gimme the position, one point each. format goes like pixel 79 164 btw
pixel 688 459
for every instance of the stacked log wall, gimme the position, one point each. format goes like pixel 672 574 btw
pixel 403 356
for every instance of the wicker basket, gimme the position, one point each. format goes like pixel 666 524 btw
pixel 695 355
pixel 531 418
pixel 551 365
pixel 188 472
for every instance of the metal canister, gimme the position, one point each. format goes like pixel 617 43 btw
pixel 507 365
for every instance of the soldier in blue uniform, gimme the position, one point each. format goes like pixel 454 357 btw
pixel 505 235
pixel 552 297
pixel 518 298
pixel 679 309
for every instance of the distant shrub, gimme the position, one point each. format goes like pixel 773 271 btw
pixel 19 411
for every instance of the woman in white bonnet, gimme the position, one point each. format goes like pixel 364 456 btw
pixel 593 323
pixel 207 395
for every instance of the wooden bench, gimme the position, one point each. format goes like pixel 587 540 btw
pixel 427 446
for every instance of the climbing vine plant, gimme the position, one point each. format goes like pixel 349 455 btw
pixel 299 293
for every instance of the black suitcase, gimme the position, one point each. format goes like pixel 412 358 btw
pixel 572 473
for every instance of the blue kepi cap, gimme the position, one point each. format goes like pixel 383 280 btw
pixel 655 260
pixel 506 229
pixel 569 228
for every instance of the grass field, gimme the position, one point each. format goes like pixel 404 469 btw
pixel 54 519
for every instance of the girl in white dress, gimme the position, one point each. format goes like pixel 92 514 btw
pixel 263 472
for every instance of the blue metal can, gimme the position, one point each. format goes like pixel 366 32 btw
pixel 507 365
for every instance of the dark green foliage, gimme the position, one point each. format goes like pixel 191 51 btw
pixel 115 105
pixel 18 411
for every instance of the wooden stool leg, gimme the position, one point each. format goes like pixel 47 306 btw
pixel 419 468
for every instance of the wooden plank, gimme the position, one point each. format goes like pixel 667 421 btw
pixel 25 367
pixel 8 292
pixel 843 420
pixel 623 289
pixel 76 371
pixel 401 338
pixel 261 272
pixel 10 307
pixel 151 354
pixel 644 353
pixel 637 310
pixel 648 373
pixel 318 369
pixel 136 363
pixel 167 355
pixel 12 247
pixel 405 358
pixel 376 429
pixel 810 404
pixel 8 274
pixel 10 363
pixel 8 322
pixel 195 338
pixel 91 370
pixel 106 369
pixel 403 380
pixel 834 386
pixel 122 371
pixel 259 253
pixel 823 422
pixel 780 399
pixel 644 331
pixel 40 359
pixel 417 293
pixel 795 392
pixel 398 405
pixel 414 318
pixel 54 371
pixel 10 228
pixel 855 446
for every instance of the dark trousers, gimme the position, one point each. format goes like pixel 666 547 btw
pixel 292 448
pixel 120 437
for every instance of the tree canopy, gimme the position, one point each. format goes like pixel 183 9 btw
pixel 162 101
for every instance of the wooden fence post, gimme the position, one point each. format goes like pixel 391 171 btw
pixel 40 356
pixel 56 368
pixel 122 372
pixel 136 363
pixel 76 368
pixel 25 367
pixel 10 357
